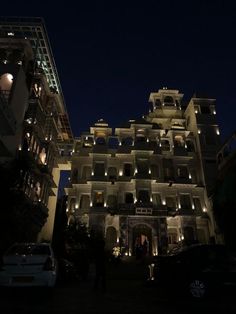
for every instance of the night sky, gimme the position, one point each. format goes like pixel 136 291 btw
pixel 111 54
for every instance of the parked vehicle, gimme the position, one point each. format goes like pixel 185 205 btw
pixel 198 270
pixel 28 264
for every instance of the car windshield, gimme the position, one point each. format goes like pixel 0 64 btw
pixel 29 249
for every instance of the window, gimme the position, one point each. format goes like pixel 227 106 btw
pixel 143 196
pixel 185 201
pixel 113 143
pixel 84 201
pixel 142 166
pixel 100 141
pixel 154 171
pixel 112 173
pixel 99 169
pixel 86 174
pixel 156 199
pixel 129 198
pixel 190 146
pixel 205 110
pixel 178 141
pixel 98 200
pixel 171 202
pixel 172 236
pixel 128 141
pixel 72 204
pixel 112 201
pixel 182 172
pixel 168 101
pixel 127 170
pixel 165 145
pixel 197 204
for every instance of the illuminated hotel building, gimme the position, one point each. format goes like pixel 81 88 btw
pixel 147 181
pixel 34 124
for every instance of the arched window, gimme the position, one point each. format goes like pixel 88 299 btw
pixel 168 101
pixel 127 141
pixel 100 141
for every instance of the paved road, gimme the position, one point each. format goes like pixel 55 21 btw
pixel 126 293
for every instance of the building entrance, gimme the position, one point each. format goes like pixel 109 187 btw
pixel 142 241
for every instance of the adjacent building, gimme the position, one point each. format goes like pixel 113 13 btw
pixel 145 184
pixel 34 124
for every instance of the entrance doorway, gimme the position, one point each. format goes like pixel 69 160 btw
pixel 142 241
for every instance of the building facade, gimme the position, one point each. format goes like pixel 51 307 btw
pixel 34 124
pixel 145 184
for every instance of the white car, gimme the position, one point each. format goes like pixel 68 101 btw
pixel 28 264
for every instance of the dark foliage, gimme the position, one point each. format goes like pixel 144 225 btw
pixel 21 219
pixel 224 206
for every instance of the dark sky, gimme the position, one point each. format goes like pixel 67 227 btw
pixel 111 54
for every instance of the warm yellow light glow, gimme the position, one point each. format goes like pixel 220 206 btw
pixel 190 177
pixel 217 132
pixel 76 206
pixel 199 131
pixel 19 147
pixel 204 209
pixel 120 172
pixel 9 77
pixel 163 202
pixel 92 173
